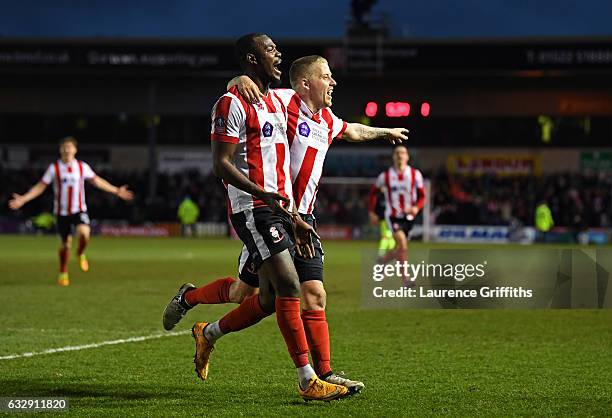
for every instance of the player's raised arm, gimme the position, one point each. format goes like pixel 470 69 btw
pixel 356 132
pixel 224 168
pixel 19 200
pixel 247 88
pixel 122 191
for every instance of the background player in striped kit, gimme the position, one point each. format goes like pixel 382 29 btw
pixel 404 197
pixel 311 129
pixel 68 176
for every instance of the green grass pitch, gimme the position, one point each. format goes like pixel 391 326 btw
pixel 413 362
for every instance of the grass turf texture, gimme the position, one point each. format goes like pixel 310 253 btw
pixel 413 362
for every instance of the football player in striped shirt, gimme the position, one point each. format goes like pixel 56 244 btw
pixel 251 156
pixel 311 129
pixel 404 196
pixel 68 176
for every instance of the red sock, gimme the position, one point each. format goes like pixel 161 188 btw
pixel 292 328
pixel 317 333
pixel 63 256
pixel 248 313
pixel 215 292
pixel 82 244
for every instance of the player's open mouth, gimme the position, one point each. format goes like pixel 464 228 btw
pixel 276 66
pixel 329 93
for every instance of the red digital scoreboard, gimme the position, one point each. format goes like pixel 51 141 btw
pixel 396 109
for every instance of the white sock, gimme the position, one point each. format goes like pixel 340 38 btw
pixel 304 375
pixel 212 332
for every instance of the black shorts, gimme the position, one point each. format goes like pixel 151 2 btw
pixel 400 224
pixel 264 233
pixel 307 268
pixel 65 224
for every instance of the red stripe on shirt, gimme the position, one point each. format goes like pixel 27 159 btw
pixel 314 196
pixel 269 104
pixel 330 125
pixel 224 138
pixel 253 151
pixel 280 101
pixel 280 168
pixel 402 203
pixel 344 126
pixel 222 111
pixel 81 186
pixel 69 200
pixel 412 185
pixel 388 194
pixel 293 113
pixel 303 176
pixel 59 188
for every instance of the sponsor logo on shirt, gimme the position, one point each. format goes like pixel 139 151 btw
pixel 220 125
pixel 304 129
pixel 267 129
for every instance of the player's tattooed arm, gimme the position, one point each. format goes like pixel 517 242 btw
pixel 224 168
pixel 19 200
pixel 247 88
pixel 356 132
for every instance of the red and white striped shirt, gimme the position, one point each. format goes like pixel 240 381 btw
pixel 262 154
pixel 402 190
pixel 68 185
pixel 310 136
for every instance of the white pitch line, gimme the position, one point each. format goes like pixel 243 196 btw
pixel 95 345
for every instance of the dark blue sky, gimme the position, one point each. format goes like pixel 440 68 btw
pixel 290 19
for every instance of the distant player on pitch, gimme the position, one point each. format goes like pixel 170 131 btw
pixel 68 176
pixel 404 194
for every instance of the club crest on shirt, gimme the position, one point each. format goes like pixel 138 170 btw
pixel 276 236
pixel 304 129
pixel 267 129
pixel 220 125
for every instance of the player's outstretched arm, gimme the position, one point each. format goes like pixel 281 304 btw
pixel 19 200
pixel 122 192
pixel 247 88
pixel 225 170
pixel 356 132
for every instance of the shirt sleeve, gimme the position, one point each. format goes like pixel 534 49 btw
pixel 285 95
pixel 380 181
pixel 49 175
pixel 419 179
pixel 338 125
pixel 228 117
pixel 88 173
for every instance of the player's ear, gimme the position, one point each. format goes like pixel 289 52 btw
pixel 251 58
pixel 305 83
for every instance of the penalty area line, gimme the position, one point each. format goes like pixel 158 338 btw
pixel 95 345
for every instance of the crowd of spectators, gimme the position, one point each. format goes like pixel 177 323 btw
pixel 576 200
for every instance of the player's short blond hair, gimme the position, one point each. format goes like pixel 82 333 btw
pixel 302 68
pixel 70 139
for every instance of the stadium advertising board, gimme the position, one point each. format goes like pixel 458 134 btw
pixel 482 234
pixel 503 165
pixel 154 230
pixel 596 160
